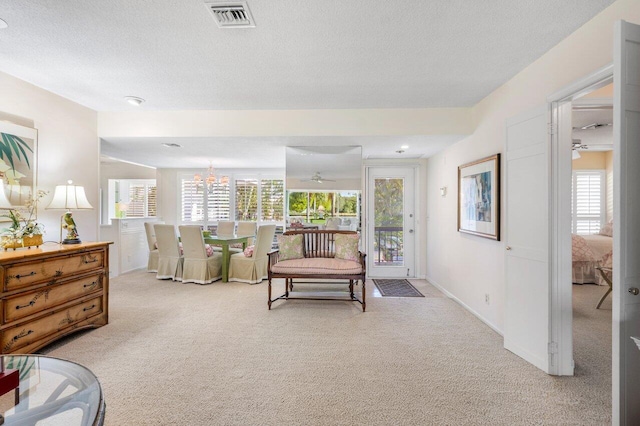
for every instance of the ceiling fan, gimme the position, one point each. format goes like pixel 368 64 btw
pixel 593 126
pixel 317 178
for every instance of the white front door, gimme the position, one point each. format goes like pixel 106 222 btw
pixel 526 331
pixel 626 238
pixel 391 222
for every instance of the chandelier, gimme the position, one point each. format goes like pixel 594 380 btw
pixel 210 180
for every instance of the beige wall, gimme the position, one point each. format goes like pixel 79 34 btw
pixel 590 161
pixel 468 267
pixel 68 148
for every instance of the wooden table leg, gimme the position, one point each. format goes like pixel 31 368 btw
pixel 225 262
pixel 609 283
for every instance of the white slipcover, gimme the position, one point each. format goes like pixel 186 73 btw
pixel 253 269
pixel 169 258
pixel 197 266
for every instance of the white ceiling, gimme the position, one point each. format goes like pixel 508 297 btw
pixel 596 138
pixel 312 54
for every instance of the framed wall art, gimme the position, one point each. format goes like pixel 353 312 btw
pixel 479 197
pixel 18 148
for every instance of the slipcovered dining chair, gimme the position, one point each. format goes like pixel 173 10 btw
pixel 244 228
pixel 201 265
pixel 253 269
pixel 152 263
pixel 169 258
pixel 226 227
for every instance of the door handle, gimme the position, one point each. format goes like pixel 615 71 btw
pixel 634 291
pixel 508 248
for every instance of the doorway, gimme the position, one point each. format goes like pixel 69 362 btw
pixel 391 222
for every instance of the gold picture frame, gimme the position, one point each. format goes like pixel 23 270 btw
pixel 479 197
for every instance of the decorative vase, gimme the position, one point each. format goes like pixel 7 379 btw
pixel 26 241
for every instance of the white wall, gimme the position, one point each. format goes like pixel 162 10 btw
pixel 466 266
pixel 68 148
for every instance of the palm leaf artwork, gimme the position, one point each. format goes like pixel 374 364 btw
pixel 24 364
pixel 12 144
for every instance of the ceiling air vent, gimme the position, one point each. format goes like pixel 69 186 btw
pixel 231 14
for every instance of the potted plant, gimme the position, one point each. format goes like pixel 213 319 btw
pixel 24 231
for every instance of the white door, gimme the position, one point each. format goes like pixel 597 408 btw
pixel 526 331
pixel 626 238
pixel 390 222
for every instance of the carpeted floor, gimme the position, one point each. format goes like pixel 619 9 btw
pixel 211 355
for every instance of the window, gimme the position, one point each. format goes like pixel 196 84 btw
pixel 588 201
pixel 192 202
pixel 272 208
pixel 245 198
pixel 132 198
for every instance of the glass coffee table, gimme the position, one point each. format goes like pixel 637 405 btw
pixel 52 391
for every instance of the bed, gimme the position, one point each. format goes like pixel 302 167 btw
pixel 590 251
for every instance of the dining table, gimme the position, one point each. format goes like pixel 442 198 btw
pixel 224 241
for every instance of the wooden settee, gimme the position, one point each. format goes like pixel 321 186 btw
pixel 318 263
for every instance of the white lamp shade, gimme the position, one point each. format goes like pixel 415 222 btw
pixel 575 155
pixel 69 197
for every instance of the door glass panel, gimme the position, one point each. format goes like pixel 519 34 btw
pixel 389 222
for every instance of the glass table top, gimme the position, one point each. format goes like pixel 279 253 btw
pixel 52 392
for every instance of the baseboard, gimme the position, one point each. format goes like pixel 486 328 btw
pixel 465 306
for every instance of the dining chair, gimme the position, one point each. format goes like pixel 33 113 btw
pixel 200 265
pixel 226 227
pixel 152 263
pixel 253 269
pixel 169 257
pixel 244 228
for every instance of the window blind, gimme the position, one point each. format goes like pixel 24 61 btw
pixel 588 198
pixel 192 201
pixel 218 202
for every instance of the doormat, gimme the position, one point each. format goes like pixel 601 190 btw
pixel 397 288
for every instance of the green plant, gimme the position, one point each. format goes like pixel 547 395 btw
pixel 23 222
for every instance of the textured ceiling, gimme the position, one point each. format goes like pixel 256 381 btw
pixel 308 54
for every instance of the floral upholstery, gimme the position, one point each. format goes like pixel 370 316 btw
pixel 290 247
pixel 347 246
pixel 248 252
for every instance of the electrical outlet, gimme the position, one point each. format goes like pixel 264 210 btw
pixel 486 298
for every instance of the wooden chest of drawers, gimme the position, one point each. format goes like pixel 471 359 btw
pixel 50 292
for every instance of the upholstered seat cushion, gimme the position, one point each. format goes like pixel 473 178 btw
pixel 317 265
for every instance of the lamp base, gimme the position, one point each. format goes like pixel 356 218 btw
pixel 71 241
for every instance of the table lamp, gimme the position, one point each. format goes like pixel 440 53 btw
pixel 5 204
pixel 69 197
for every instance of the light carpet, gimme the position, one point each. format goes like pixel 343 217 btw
pixel 210 355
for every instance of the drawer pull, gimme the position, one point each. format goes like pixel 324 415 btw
pixel 33 302
pixel 93 284
pixel 30 274
pixel 88 259
pixel 89 308
pixel 21 335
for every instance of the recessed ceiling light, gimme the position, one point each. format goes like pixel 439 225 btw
pixel 404 147
pixel 172 145
pixel 134 100
pixel 3 24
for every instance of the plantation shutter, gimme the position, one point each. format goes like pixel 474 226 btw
pixel 272 197
pixel 246 199
pixel 218 202
pixel 152 207
pixel 192 205
pixel 136 200
pixel 588 199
